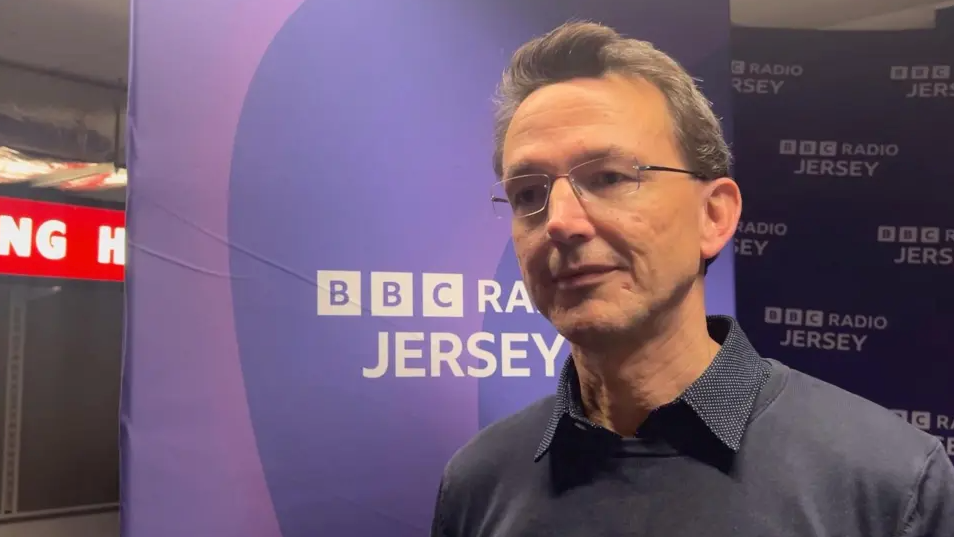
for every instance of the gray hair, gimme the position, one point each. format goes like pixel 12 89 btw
pixel 590 50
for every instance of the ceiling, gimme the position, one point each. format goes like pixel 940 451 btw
pixel 90 37
pixel 88 41
pixel 837 14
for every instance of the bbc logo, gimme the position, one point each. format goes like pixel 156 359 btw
pixel 909 234
pixel 808 148
pixel 795 317
pixel 390 294
pixel 738 67
pixel 921 72
pixel 919 418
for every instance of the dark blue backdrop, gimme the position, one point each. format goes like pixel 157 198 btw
pixel 845 259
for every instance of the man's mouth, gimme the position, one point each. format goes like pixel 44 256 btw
pixel 582 276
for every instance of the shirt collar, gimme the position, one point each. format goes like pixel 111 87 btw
pixel 723 397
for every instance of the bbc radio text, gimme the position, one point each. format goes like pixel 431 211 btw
pixel 420 354
pixel 939 424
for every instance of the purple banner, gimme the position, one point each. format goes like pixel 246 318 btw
pixel 322 306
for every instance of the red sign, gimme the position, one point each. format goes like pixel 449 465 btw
pixel 56 240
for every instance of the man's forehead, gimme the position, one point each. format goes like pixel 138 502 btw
pixel 610 94
pixel 569 122
pixel 551 159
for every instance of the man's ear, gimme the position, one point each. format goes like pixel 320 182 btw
pixel 721 210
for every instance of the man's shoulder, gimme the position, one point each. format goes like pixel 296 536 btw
pixel 511 440
pixel 828 420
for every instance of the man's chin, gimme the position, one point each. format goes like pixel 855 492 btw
pixel 590 332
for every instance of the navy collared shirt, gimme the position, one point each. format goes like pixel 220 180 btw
pixel 722 398
pixel 751 449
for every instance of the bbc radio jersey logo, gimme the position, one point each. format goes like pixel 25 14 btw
pixel 752 239
pixel 826 331
pixel 339 294
pixel 416 354
pixel 925 81
pixel 919 245
pixel 940 425
pixel 830 158
pixel 762 78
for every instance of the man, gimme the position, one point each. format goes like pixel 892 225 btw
pixel 665 422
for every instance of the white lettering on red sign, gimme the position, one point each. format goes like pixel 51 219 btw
pixel 112 245
pixel 17 235
pixel 61 241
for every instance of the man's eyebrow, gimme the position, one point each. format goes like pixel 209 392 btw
pixel 531 166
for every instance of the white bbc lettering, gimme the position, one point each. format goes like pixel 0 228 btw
pixel 836 168
pixel 930 235
pixel 944 422
pixel 339 292
pixel 774 69
pixel 757 86
pixel 870 150
pixel 887 233
pixel 112 246
pixel 899 72
pixel 761 78
pixel 445 349
pixel 406 359
pixel 751 241
pixel 489 293
pixel 927 81
pixel 795 317
pixel 865 322
pixel 750 247
pixel 507 349
pixel 924 244
pixel 823 340
pixel 18 237
pixel 763 228
pixel 814 318
pixel 921 419
pixel 443 295
pixel 828 148
pixel 925 420
pixel 788 147
pixel 392 294
pixel 921 72
pixel 930 90
pixel 808 328
pixel 925 255
pixel 908 234
pixel 829 158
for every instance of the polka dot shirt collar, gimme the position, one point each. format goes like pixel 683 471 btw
pixel 723 397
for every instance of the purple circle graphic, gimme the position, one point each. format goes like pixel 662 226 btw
pixel 362 165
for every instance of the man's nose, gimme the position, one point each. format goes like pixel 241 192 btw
pixel 567 219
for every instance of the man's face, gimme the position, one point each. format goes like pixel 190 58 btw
pixel 639 254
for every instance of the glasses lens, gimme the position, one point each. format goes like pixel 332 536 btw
pixel 606 179
pixel 521 196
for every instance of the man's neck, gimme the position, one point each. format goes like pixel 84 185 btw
pixel 618 392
